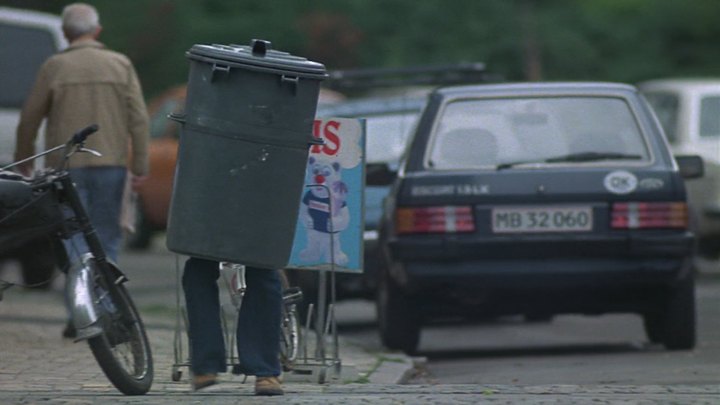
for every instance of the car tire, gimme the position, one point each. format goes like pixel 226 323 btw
pixel 652 321
pixel 678 323
pixel 675 324
pixel 399 322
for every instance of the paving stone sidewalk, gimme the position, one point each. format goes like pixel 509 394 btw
pixel 35 358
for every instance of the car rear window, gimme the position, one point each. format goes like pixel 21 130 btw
pixel 490 133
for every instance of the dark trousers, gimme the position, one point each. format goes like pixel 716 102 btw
pixel 258 331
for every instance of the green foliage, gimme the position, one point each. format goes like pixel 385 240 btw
pixel 612 40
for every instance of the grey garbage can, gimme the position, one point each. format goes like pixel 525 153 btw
pixel 244 143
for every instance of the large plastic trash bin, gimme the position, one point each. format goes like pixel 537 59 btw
pixel 244 143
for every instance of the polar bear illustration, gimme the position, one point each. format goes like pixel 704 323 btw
pixel 325 213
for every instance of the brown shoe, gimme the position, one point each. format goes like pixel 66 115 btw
pixel 203 381
pixel 268 386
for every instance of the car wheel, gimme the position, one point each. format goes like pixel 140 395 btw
pixel 652 321
pixel 674 324
pixel 678 323
pixel 398 318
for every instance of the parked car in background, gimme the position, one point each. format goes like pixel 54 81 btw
pixel 689 111
pixel 27 39
pixel 538 199
pixel 388 122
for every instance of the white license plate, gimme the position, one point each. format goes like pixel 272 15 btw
pixel 541 219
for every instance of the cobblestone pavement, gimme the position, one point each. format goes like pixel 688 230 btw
pixel 38 366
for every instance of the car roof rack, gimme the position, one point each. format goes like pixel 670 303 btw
pixel 369 78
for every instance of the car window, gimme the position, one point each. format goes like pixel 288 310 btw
pixel 22 51
pixel 666 106
pixel 482 133
pixel 387 136
pixel 710 116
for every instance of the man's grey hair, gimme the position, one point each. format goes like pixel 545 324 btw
pixel 79 19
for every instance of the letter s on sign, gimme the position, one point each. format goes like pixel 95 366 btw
pixel 328 131
pixel 332 139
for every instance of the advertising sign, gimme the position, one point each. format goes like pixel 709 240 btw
pixel 331 220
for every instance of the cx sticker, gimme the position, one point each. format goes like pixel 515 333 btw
pixel 620 182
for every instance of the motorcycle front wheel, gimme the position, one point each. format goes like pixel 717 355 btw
pixel 122 350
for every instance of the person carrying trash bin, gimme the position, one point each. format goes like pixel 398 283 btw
pixel 244 145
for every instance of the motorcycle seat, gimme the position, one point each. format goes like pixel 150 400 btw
pixel 14 193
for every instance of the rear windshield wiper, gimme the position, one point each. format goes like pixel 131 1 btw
pixel 592 156
pixel 572 157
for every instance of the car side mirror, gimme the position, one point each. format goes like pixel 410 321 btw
pixel 691 166
pixel 379 174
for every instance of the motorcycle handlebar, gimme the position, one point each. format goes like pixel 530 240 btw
pixel 77 139
pixel 82 134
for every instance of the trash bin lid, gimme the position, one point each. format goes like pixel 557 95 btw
pixel 258 56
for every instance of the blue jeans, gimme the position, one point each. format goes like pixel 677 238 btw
pixel 101 192
pixel 258 330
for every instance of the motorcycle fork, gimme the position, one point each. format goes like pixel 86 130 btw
pixel 86 299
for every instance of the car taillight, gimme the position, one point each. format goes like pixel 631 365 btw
pixel 447 219
pixel 644 215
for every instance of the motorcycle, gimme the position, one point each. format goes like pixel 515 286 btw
pixel 102 311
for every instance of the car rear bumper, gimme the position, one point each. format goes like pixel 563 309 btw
pixel 678 245
pixel 551 286
pixel 593 272
pixel 590 262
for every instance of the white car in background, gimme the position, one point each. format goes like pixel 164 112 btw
pixel 689 111
pixel 28 39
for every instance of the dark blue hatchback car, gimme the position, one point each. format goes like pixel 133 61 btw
pixel 538 199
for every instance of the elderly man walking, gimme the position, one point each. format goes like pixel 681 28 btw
pixel 81 85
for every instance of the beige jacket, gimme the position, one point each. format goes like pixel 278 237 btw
pixel 82 85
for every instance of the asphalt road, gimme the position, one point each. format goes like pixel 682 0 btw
pixel 594 350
